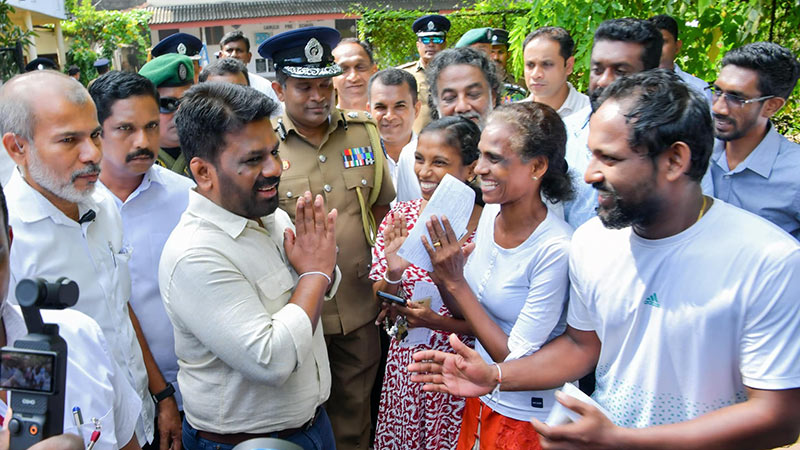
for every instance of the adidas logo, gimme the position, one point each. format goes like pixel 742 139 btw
pixel 652 301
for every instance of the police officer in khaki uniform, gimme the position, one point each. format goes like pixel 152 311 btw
pixel 172 74
pixel 337 154
pixel 431 33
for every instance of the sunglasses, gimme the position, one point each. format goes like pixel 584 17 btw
pixel 167 105
pixel 432 40
pixel 733 100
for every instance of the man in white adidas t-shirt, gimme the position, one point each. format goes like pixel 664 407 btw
pixel 687 305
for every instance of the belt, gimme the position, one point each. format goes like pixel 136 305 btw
pixel 237 438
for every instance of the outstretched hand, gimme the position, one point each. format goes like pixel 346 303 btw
pixel 592 431
pixel 394 235
pixel 464 373
pixel 312 248
pixel 447 255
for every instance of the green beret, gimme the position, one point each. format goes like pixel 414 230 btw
pixel 169 70
pixel 475 36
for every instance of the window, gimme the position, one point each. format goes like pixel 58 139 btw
pixel 214 35
pixel 166 33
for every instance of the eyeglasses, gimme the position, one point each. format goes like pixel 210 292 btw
pixel 733 100
pixel 167 105
pixel 431 40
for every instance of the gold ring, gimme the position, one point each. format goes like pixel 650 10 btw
pixel 437 244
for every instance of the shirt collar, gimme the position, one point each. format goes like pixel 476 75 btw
pixel 761 160
pixel 38 207
pixel 335 119
pixel 232 224
pixel 571 101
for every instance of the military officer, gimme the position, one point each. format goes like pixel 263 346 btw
pixel 431 31
pixel 172 74
pixel 338 154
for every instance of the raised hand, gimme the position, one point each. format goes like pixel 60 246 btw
pixel 394 234
pixel 447 256
pixel 312 248
pixel 464 373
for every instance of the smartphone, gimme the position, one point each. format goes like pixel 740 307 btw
pixel 27 370
pixel 392 298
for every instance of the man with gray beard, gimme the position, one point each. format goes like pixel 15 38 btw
pixel 62 227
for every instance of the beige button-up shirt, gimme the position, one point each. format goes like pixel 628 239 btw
pixel 248 360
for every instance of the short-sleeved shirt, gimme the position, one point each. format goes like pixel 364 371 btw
pixel 406 182
pixel 341 169
pixel 94 383
pixel 148 216
pixel 766 183
pixel 686 322
pixel 415 68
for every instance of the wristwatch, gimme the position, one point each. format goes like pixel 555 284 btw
pixel 168 391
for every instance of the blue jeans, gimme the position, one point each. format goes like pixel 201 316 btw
pixel 318 437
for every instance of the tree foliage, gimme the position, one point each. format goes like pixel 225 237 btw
pixel 96 34
pixel 708 29
pixel 10 35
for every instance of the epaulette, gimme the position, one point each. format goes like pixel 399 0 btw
pixel 279 128
pixel 356 116
pixel 407 65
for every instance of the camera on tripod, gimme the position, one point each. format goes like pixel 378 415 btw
pixel 34 368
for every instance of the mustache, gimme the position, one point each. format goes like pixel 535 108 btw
pixel 721 117
pixel 471 115
pixel 140 152
pixel 90 169
pixel 266 182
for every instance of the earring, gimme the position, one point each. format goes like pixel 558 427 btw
pixel 534 178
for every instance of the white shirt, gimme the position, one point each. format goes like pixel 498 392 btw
pixel 581 208
pixel 686 322
pixel 248 359
pixel 50 245
pixel 524 290
pixel 574 102
pixel 264 86
pixel 405 179
pixel 148 216
pixel 94 383
pixel 7 166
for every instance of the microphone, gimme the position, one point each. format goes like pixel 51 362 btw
pixel 87 217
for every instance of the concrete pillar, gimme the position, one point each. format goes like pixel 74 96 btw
pixel 62 52
pixel 32 54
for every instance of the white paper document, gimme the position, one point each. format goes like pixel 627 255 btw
pixel 427 294
pixel 452 199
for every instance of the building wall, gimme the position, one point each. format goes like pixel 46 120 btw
pixel 257 30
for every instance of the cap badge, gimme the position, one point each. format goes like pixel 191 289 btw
pixel 431 25
pixel 181 48
pixel 182 71
pixel 313 51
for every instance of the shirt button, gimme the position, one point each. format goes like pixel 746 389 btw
pixel 363 181
pixel 288 194
pixel 327 188
pixel 322 158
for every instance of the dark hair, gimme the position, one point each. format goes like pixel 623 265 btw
pixel 212 110
pixel 281 77
pixel 103 69
pixel 224 66
pixel 233 36
pixel 394 77
pixel 364 45
pixel 4 209
pixel 460 133
pixel 666 23
pixel 73 69
pixel 462 55
pixel 557 34
pixel 118 85
pixel 664 110
pixel 776 66
pixel 636 31
pixel 539 131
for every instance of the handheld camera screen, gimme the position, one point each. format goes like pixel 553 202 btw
pixel 27 370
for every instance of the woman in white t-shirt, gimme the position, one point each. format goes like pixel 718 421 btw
pixel 513 289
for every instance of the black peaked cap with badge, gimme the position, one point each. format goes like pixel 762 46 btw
pixel 180 43
pixel 304 52
pixel 499 36
pixel 41 63
pixel 169 70
pixel 431 25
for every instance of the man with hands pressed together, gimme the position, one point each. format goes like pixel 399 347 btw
pixel 243 290
pixel 693 329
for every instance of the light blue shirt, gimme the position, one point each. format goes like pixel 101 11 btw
pixel 148 216
pixel 766 183
pixel 583 207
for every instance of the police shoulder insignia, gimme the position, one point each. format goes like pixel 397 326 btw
pixel 358 157
pixel 352 114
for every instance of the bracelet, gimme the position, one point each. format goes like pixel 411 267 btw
pixel 386 279
pixel 496 389
pixel 327 277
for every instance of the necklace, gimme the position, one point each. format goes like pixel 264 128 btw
pixel 702 210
